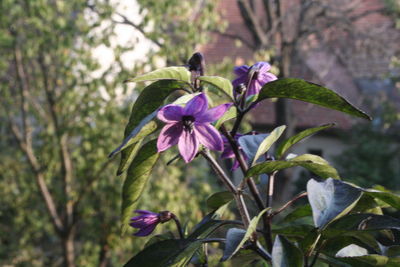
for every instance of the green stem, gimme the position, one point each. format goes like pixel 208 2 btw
pixel 238 195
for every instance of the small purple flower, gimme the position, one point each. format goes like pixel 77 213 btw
pixel 258 73
pixel 146 222
pixel 190 126
pixel 228 152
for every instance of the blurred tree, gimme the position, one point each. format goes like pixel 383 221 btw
pixel 291 28
pixel 60 125
pixel 373 153
pixel 60 196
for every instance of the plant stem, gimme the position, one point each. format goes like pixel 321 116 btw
pixel 178 226
pixel 238 195
pixel 290 202
pixel 220 172
pixel 262 252
pixel 252 186
pixel 270 189
pixel 314 259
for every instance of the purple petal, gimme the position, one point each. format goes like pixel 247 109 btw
pixel 228 152
pixel 262 66
pixel 198 104
pixel 209 136
pixel 254 88
pixel 214 113
pixel 235 165
pixel 188 145
pixel 146 230
pixel 266 77
pixel 239 80
pixel 169 136
pixel 170 113
pixel 144 212
pixel 241 70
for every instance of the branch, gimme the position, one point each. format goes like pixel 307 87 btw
pixel 27 149
pixel 252 23
pixel 235 37
pixel 62 139
pixel 138 27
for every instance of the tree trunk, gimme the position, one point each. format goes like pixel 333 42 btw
pixel 69 248
pixel 284 116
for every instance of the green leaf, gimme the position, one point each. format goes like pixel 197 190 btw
pixel 130 154
pixel 388 197
pixel 136 179
pixel 330 200
pixel 224 85
pixel 309 92
pixel 172 252
pixel 168 73
pixel 148 102
pixel 286 254
pixel 366 260
pixel 250 144
pixel 234 238
pixel 299 212
pixel 285 145
pixel 268 142
pixel 299 230
pixel 313 163
pixel 234 248
pixel 145 127
pixel 351 250
pixel 219 199
pixel 230 114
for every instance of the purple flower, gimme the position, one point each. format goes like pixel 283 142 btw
pixel 228 151
pixel 190 126
pixel 258 73
pixel 146 222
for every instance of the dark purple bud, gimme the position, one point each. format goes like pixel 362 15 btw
pixel 165 216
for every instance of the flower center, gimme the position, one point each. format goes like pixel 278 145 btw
pixel 188 122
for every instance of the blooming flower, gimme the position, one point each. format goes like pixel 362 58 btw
pixel 146 222
pixel 190 126
pixel 258 73
pixel 228 152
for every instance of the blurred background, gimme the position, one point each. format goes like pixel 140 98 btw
pixel 64 107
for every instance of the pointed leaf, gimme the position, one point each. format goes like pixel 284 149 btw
pixel 286 254
pixel 172 252
pixel 309 92
pixel 250 144
pixel 330 200
pixel 136 179
pixel 168 73
pixel 230 114
pixel 299 212
pixel 218 199
pixel 351 251
pixel 222 84
pixel 149 100
pixel 130 154
pixel 300 230
pixel 366 260
pixel 234 237
pixel 313 163
pixel 143 129
pixel 268 142
pixel 388 197
pixel 285 145
pixel 235 234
